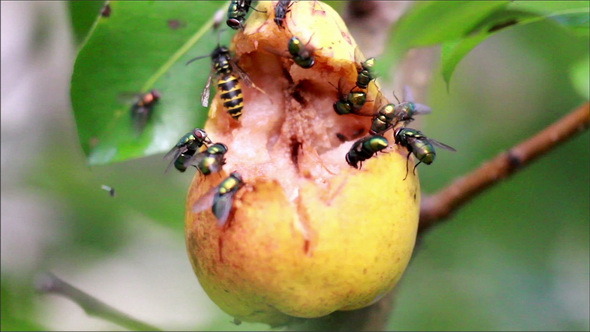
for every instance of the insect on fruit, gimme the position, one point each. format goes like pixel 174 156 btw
pixel 421 146
pixel 224 197
pixel 350 102
pixel 281 10
pixel 364 69
pixel 391 114
pixel 228 83
pixel 364 149
pixel 236 13
pixel 189 144
pixel 211 160
pixel 300 53
pixel 220 199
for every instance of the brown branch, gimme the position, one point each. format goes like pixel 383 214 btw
pixel 49 283
pixel 439 206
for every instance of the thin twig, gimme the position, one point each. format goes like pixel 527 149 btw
pixel 441 205
pixel 49 283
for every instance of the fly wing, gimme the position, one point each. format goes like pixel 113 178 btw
pixel 206 92
pixel 408 95
pixel 441 145
pixel 205 202
pixel 422 109
pixel 128 97
pixel 175 151
pixel 218 164
pixel 173 154
pixel 222 205
pixel 195 159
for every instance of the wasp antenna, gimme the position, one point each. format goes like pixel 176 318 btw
pixel 196 58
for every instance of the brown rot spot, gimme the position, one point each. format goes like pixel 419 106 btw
pixel 306 247
pixel 299 98
pixel 341 137
pixel 106 11
pixel 358 133
pixel 295 148
pixel 414 196
pixel 176 24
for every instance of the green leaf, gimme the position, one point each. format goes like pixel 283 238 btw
pixel 433 22
pixel 577 22
pixel 338 5
pixel 547 8
pixel 574 15
pixel 142 45
pixel 454 51
pixel 83 14
pixel 579 74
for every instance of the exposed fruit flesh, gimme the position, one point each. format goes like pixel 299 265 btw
pixel 308 234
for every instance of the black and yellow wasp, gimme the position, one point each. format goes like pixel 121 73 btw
pixel 228 83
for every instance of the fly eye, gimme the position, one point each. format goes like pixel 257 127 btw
pixel 199 133
pixel 233 23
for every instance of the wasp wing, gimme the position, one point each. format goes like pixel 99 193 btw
pixel 245 78
pixel 207 91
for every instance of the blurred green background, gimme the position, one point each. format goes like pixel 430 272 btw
pixel 516 258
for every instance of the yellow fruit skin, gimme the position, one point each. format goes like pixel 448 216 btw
pixel 339 245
